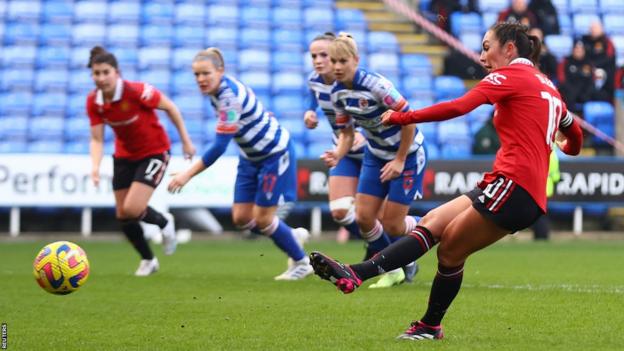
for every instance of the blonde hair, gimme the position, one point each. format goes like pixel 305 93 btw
pixel 213 55
pixel 343 45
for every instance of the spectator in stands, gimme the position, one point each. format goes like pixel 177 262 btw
pixel 267 173
pixel 601 53
pixel 443 9
pixel 601 91
pixel 141 150
pixel 520 13
pixel 576 81
pixel 546 16
pixel 547 61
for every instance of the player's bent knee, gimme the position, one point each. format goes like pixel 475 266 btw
pixel 394 229
pixel 129 212
pixel 449 257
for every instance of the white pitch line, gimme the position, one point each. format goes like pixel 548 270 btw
pixel 573 288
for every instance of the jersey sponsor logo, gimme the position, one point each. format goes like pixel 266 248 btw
pixel 148 91
pixel 495 78
pixel 227 116
pixel 394 97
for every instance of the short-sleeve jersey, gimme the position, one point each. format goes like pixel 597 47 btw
pixel 321 92
pixel 528 109
pixel 363 104
pixel 131 115
pixel 257 132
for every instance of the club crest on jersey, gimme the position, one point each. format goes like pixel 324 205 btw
pixel 363 103
pixel 124 106
pixel 495 78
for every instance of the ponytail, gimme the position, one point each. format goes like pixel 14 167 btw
pixel 100 55
pixel 529 46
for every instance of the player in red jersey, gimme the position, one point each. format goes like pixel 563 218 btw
pixel 141 150
pixel 529 114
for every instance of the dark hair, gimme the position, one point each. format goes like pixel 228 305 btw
pixel 529 46
pixel 100 55
pixel 325 36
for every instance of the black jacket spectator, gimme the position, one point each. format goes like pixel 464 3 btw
pixel 576 81
pixel 546 15
pixel 518 12
pixel 547 61
pixel 601 52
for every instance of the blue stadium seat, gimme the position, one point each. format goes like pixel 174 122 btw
pixel 287 82
pixel 472 41
pixel 53 56
pixel 18 56
pixel 448 87
pixel 295 127
pixel 13 146
pixel 223 37
pixel 561 6
pixel 191 106
pixel 190 13
pixel 76 106
pixel 611 7
pixel 222 15
pixel 52 80
pixel 122 35
pixel 288 106
pixel 156 34
pixel 80 82
pixel 488 19
pixel 49 104
pixel 493 5
pixel 319 3
pixel 46 146
pixel 384 62
pixel 287 18
pixel 477 117
pixel 559 45
pixel 465 23
pixel 127 58
pixel 76 147
pixel 24 11
pixel 13 127
pixel 287 61
pixel 17 80
pixel 433 151
pixel 154 57
pixel 599 112
pixel 77 129
pixel 418 103
pixel 301 148
pixel 259 81
pixel 350 19
pixel 58 11
pixel 184 82
pixel 418 86
pixel 88 34
pixel 15 103
pixel 317 148
pixel 416 64
pixel 613 24
pixel 582 21
pixel 287 3
pixel 457 150
pixel 453 131
pixel 21 33
pixel 430 130
pixel 253 59
pixel 290 40
pixel 45 128
pixel 158 12
pixel 187 35
pixel 55 34
pixel 618 42
pixel 318 18
pixel 183 58
pixel 583 6
pixel 124 12
pixel 255 38
pixel 159 78
pixel 565 25
pixel 90 11
pixel 255 16
pixel 381 42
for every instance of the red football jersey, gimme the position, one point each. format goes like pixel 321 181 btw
pixel 528 109
pixel 138 132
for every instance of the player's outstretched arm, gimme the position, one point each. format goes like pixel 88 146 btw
pixel 570 139
pixel 174 114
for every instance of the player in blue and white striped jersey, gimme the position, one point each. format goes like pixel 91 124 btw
pixel 343 178
pixel 267 165
pixel 394 160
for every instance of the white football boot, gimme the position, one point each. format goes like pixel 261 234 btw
pixel 299 270
pixel 170 241
pixel 147 267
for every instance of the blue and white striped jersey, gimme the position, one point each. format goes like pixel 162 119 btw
pixel 257 133
pixel 363 105
pixel 321 97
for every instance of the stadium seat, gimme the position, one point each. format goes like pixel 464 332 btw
pixel 618 42
pixel 472 41
pixel 124 12
pixel 255 16
pixel 49 104
pixel 493 5
pixel 183 58
pixel 465 23
pixel 190 13
pixel 24 11
pixel 55 34
pixel 301 149
pixel 13 127
pixel 448 87
pixel 18 56
pixel 416 64
pixel 187 35
pixel 452 131
pixel 559 45
pixel 184 82
pixel 282 61
pixel 288 40
pixel 417 86
pixel 488 19
pixel 381 42
pixel 350 19
pixel 319 3
pixel 287 18
pixel 582 21
pixel 191 106
pixel 222 15
pixel 76 106
pixel 45 146
pixel 154 57
pixel 433 151
pixel 223 37
pixel 57 11
pixel 21 33
pixel 255 38
pixel 287 82
pixel 253 59
pixel 599 112
pixel 17 80
pixel 90 11
pixel 430 131
pixel 15 103
pixel 259 81
pixel 53 56
pixel 561 6
pixel 318 18
pixel 127 57
pixel 45 128
pixel 295 127
pixel 55 80
pixel 613 24
pixel 13 146
pixel 80 81
pixel 122 35
pixel 565 25
pixel 156 34
pixel 288 106
pixel 317 148
pixel 611 7
pixel 583 6
pixel 384 62
pixel 76 147
pixel 159 78
pixel 88 34
pixel 481 114
pixel 418 103
pixel 457 150
pixel 157 12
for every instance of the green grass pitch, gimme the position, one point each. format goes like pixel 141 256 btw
pixel 220 295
